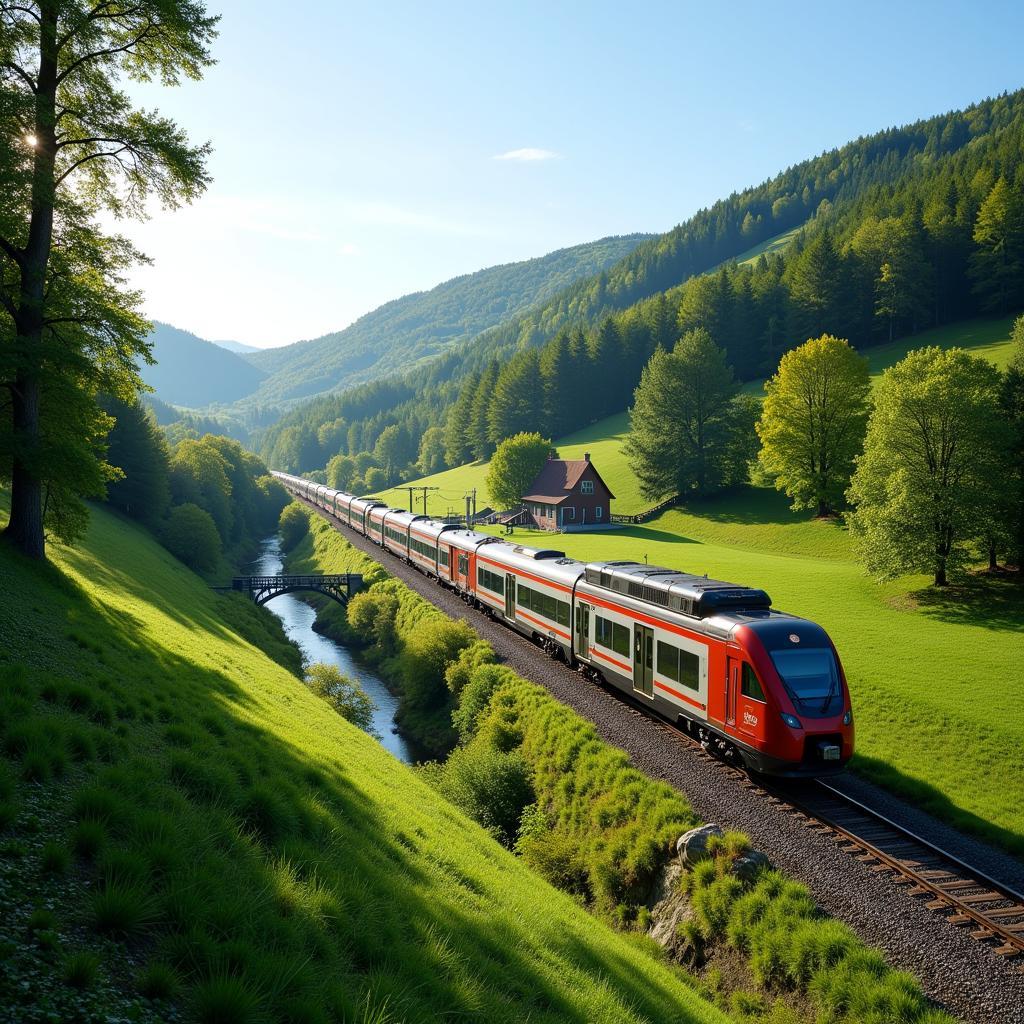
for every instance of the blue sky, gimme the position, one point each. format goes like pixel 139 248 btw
pixel 358 147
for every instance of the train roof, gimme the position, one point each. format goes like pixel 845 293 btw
pixel 678 591
pixel 433 527
pixel 543 562
pixel 402 518
pixel 468 540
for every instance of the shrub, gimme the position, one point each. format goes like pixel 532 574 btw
pixel 459 673
pixel 491 786
pixel 293 525
pixel 476 694
pixel 371 614
pixel 343 694
pixel 428 653
pixel 190 534
pixel 88 838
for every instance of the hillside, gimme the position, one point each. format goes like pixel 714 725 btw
pixel 605 438
pixel 409 330
pixel 195 373
pixel 904 719
pixel 194 833
pixel 873 241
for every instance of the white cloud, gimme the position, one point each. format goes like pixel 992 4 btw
pixel 528 155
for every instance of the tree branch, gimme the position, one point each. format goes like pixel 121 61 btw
pixel 105 154
pixel 21 73
pixel 96 54
pixel 14 253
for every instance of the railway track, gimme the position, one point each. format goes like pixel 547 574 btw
pixel 962 895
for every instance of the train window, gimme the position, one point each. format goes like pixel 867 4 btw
pixel 490 580
pixel 444 556
pixel 678 665
pixel 543 604
pixel 751 685
pixel 613 635
pixel 463 565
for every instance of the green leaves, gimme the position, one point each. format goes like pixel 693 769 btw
pixel 813 422
pixel 929 476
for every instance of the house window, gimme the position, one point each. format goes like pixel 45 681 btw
pixel 587 487
pixel 570 512
pixel 598 512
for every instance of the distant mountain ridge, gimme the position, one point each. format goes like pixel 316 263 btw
pixel 196 373
pixel 407 331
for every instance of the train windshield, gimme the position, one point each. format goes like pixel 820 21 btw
pixel 810 673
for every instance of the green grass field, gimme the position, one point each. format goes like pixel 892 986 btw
pixel 174 800
pixel 934 677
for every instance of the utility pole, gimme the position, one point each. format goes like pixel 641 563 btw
pixel 469 517
pixel 474 504
pixel 424 490
pixel 410 490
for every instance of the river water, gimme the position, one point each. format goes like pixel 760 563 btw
pixel 297 617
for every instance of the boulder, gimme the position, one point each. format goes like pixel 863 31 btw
pixel 748 865
pixel 692 846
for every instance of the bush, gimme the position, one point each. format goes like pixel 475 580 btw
pixel 80 969
pixel 293 525
pixel 428 653
pixel 371 614
pixel 476 694
pixel 190 534
pixel 344 694
pixel 491 786
pixel 458 674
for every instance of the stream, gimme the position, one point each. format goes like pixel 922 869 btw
pixel 297 617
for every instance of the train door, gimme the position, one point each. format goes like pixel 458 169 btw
pixel 582 630
pixel 643 660
pixel 510 597
pixel 463 571
pixel 733 667
pixel 451 562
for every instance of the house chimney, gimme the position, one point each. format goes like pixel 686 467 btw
pixel 586 456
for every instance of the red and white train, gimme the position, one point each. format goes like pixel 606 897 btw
pixel 756 685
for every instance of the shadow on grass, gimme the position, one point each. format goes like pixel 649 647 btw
pixel 748 506
pixel 993 601
pixel 927 798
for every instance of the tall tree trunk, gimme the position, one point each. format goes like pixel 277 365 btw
pixel 993 563
pixel 940 573
pixel 25 527
pixel 26 523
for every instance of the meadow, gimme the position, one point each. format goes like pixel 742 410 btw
pixel 932 674
pixel 186 829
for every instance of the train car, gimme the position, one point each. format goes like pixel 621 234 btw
pixel 758 685
pixel 357 509
pixel 375 516
pixel 532 590
pixel 426 548
pixel 461 547
pixel 342 501
pixel 396 531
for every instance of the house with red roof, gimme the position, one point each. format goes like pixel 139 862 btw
pixel 568 495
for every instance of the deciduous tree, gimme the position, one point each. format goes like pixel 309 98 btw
pixel 73 146
pixel 515 466
pixel 923 489
pixel 812 423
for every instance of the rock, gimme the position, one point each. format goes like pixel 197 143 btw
pixel 670 911
pixel 749 865
pixel 692 846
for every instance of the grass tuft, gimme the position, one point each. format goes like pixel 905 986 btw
pixel 79 969
pixel 158 980
pixel 121 908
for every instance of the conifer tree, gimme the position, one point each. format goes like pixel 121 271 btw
pixel 456 435
pixel 517 403
pixel 685 427
pixel 998 264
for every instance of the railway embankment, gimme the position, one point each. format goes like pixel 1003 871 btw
pixel 953 970
pixel 188 833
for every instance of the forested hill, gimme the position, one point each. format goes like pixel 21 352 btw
pixel 910 228
pixel 416 327
pixel 192 372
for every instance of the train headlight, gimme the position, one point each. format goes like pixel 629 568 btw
pixel 848 717
pixel 791 720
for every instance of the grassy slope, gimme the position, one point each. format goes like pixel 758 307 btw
pixel 274 848
pixel 916 661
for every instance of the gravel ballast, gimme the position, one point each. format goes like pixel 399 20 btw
pixel 962 975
